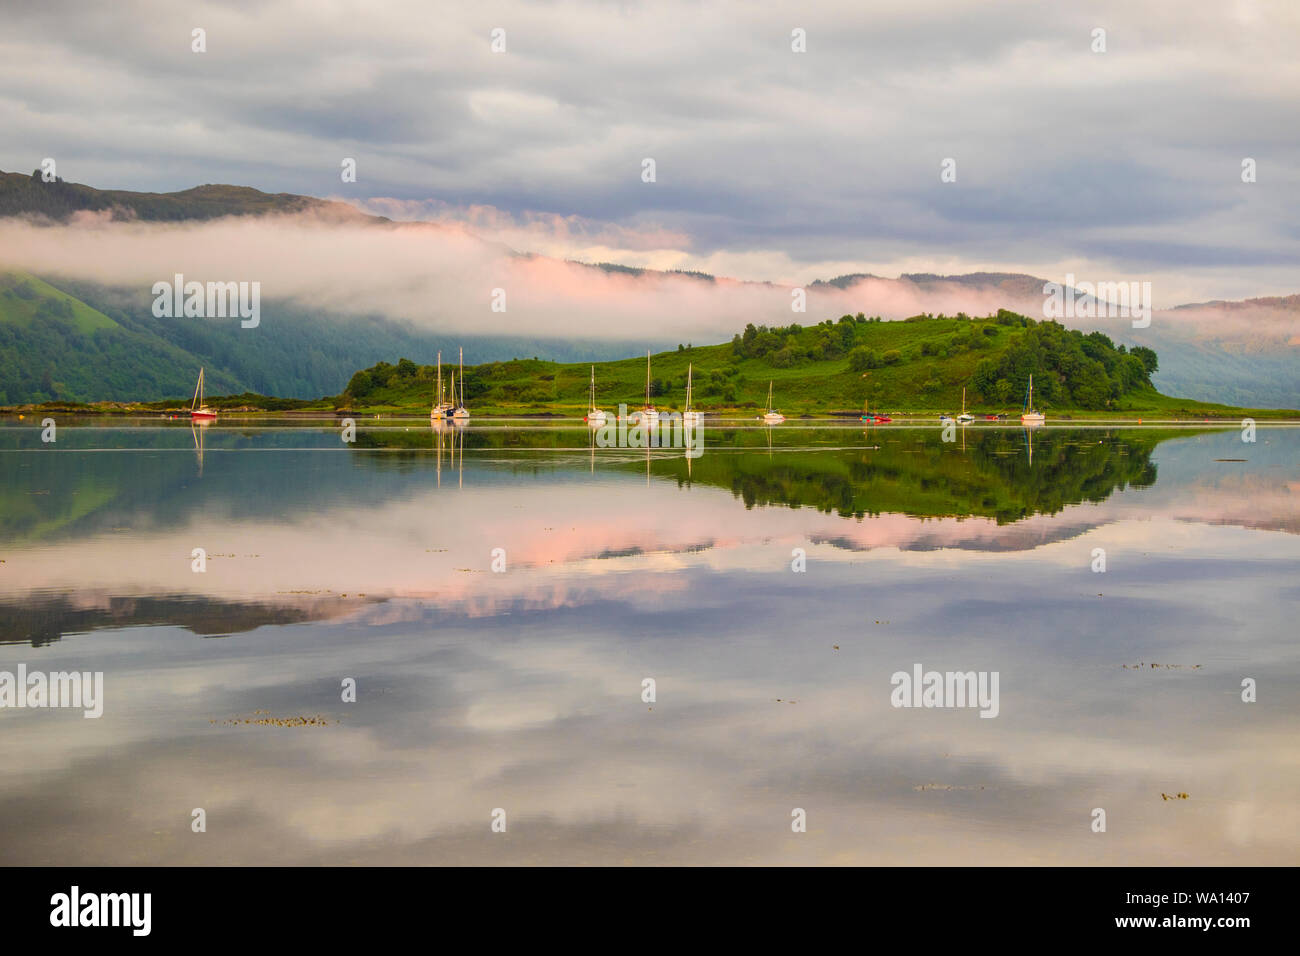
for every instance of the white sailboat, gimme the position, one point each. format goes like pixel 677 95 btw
pixel 594 415
pixel 771 416
pixel 649 415
pixel 690 417
pixel 441 410
pixel 1031 415
pixel 199 411
pixel 965 418
pixel 461 413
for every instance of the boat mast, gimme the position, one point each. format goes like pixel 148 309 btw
pixel 688 386
pixel 462 377
pixel 591 399
pixel 198 387
pixel 438 401
pixel 647 378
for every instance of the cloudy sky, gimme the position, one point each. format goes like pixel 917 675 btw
pixel 770 164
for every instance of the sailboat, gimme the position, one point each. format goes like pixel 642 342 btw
pixel 200 412
pixel 594 415
pixel 1031 415
pixel 441 409
pixel 771 416
pixel 868 417
pixel 461 413
pixel 690 417
pixel 649 414
pixel 965 418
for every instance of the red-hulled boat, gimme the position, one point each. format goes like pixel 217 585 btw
pixel 200 412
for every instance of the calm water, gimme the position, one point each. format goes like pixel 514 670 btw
pixel 522 689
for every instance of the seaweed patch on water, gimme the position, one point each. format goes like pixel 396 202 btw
pixel 263 718
pixel 1141 664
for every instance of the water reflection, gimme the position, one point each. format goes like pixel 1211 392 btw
pixel 522 689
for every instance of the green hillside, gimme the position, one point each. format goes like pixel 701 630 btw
pixel 55 346
pixel 919 365
pixel 66 340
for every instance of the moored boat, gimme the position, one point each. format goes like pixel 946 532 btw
pixel 690 417
pixel 199 411
pixel 594 415
pixel 1031 415
pixel 771 416
pixel 461 413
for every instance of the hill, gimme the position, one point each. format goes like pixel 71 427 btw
pixel 918 365
pixel 30 195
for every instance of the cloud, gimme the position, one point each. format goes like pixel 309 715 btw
pixel 771 164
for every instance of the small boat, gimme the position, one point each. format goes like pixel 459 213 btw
pixel 947 418
pixel 965 418
pixel 1031 415
pixel 594 415
pixel 690 417
pixel 441 410
pixel 990 418
pixel 877 419
pixel 199 411
pixel 771 416
pixel 461 414
pixel 649 415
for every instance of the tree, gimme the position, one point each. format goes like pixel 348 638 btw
pixel 862 358
pixel 360 385
pixel 1147 357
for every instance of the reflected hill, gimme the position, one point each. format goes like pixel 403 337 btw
pixel 986 473
pixel 164 477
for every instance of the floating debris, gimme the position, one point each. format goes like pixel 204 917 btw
pixel 262 718
pixel 1174 796
pixel 1141 664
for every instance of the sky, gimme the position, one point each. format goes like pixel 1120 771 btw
pixel 770 164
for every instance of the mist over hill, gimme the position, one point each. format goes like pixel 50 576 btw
pixel 345 289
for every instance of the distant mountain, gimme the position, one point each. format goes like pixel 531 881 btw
pixel 29 195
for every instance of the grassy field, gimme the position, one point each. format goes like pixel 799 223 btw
pixel 24 298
